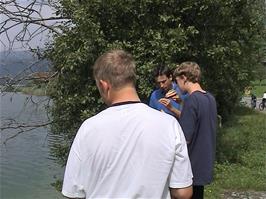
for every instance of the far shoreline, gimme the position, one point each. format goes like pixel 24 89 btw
pixel 27 90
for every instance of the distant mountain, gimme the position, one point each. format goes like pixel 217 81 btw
pixel 21 63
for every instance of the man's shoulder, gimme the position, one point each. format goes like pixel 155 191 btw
pixel 201 97
pixel 156 92
pixel 197 94
pixel 176 87
pixel 144 111
pixel 158 115
pixel 211 97
pixel 155 95
pixel 89 122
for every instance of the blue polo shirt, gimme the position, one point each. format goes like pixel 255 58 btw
pixel 160 93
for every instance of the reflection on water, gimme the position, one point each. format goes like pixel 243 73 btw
pixel 26 171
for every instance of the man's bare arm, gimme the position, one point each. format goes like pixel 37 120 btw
pixel 167 103
pixel 181 193
pixel 176 112
pixel 73 198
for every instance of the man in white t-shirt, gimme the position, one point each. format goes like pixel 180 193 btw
pixel 129 150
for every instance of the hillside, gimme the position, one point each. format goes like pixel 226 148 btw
pixel 20 62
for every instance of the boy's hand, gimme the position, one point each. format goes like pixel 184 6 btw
pixel 173 95
pixel 166 102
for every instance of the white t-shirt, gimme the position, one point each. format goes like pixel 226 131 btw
pixel 264 96
pixel 127 151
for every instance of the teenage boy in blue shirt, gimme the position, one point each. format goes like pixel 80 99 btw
pixel 168 97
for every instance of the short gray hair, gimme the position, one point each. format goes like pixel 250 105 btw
pixel 117 67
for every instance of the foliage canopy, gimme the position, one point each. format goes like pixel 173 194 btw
pixel 223 36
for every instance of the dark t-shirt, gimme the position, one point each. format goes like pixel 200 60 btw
pixel 199 121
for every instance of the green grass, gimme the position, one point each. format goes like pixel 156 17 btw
pixel 241 154
pixel 33 90
pixel 258 88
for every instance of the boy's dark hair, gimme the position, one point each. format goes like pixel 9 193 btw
pixel 162 70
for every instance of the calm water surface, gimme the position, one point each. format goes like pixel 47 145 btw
pixel 26 170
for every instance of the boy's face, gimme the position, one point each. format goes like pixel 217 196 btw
pixel 164 82
pixel 181 83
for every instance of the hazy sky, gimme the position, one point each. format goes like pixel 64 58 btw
pixel 38 41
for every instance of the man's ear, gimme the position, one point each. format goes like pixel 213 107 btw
pixel 105 86
pixel 185 78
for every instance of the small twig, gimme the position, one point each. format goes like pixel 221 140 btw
pixel 22 129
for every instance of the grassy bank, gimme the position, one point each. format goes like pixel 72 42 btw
pixel 33 90
pixel 241 160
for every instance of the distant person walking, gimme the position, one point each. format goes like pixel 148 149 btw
pixel 168 97
pixel 264 98
pixel 253 101
pixel 262 105
pixel 199 121
pixel 128 150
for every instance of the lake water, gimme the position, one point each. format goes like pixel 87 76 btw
pixel 26 169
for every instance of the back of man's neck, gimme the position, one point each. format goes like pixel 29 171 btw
pixel 195 87
pixel 123 95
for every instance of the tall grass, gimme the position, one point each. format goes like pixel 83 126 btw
pixel 241 154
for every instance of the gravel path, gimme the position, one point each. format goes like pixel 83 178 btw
pixel 244 195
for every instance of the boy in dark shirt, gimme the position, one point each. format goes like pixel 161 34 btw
pixel 199 121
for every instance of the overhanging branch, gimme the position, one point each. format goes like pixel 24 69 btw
pixel 22 127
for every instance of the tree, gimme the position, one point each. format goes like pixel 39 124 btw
pixel 260 68
pixel 27 20
pixel 223 36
